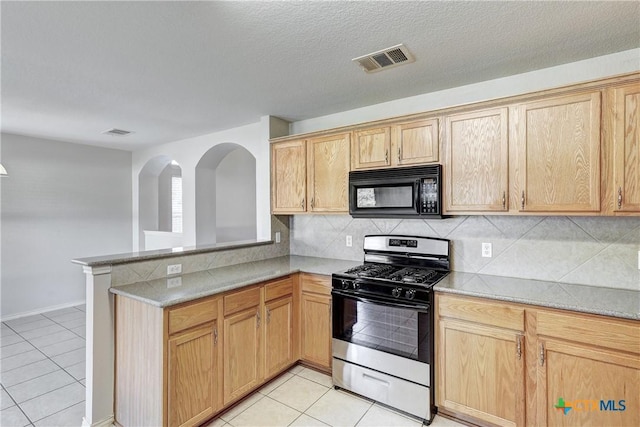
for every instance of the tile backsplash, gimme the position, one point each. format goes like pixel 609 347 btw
pixel 597 251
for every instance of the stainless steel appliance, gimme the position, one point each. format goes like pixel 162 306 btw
pixel 383 322
pixel 396 192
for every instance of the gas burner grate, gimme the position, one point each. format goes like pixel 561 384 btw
pixel 371 270
pixel 413 275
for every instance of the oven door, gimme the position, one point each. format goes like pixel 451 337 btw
pixel 402 329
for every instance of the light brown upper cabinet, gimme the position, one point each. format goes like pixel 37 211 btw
pixel 626 147
pixel 403 144
pixel 476 165
pixel 556 154
pixel 328 173
pixel 288 176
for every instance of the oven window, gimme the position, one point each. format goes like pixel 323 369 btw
pixel 385 197
pixel 400 331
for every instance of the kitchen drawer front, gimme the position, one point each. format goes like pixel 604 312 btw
pixel 278 288
pixel 498 314
pixel 616 334
pixel 241 300
pixel 192 315
pixel 316 283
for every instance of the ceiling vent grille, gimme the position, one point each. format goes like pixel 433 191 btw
pixel 385 58
pixel 116 132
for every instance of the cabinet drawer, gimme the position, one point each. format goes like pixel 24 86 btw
pixel 192 315
pixel 241 300
pixel 497 314
pixel 600 331
pixel 316 284
pixel 278 289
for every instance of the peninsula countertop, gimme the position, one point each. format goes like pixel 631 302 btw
pixel 170 291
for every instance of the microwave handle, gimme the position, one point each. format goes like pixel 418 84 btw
pixel 418 194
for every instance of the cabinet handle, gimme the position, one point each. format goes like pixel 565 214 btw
pixel 619 197
pixel 302 204
pixel 522 199
pixel 215 336
pixel 268 316
pixel 504 200
pixel 399 154
pixel 519 346
pixel 541 354
pixel 386 156
pixel 258 319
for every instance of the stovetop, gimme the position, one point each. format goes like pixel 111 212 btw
pixel 392 273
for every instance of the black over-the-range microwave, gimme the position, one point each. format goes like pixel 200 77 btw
pixel 396 193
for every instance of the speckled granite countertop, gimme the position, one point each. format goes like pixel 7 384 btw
pixel 174 290
pixel 587 299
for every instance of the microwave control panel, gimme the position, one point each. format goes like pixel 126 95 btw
pixel 429 196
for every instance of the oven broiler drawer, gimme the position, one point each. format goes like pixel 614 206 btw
pixel 395 392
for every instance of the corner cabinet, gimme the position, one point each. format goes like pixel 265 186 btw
pixel 402 144
pixel 480 360
pixel 510 364
pixel 476 166
pixel 310 175
pixel 625 101
pixel 556 154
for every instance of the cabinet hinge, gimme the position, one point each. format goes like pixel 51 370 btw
pixel 215 336
pixel 541 354
pixel 519 346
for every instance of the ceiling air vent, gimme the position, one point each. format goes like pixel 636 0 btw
pixel 116 132
pixel 385 58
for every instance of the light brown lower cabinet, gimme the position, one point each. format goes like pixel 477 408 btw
pixel 315 320
pixel 181 365
pixel 513 364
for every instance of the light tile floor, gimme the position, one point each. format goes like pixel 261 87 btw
pixel 43 368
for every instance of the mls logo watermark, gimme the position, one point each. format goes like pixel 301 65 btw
pixel 589 405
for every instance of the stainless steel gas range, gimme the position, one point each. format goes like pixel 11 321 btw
pixel 383 322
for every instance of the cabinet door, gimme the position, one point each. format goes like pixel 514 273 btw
pixel 371 148
pixel 481 372
pixel 316 329
pixel 192 376
pixel 328 173
pixel 477 161
pixel 626 147
pixel 581 385
pixel 557 146
pixel 278 335
pixel 288 176
pixel 242 353
pixel 416 143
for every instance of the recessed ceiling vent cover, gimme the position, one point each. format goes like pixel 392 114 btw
pixel 117 132
pixel 385 58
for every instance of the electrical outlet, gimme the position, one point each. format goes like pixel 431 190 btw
pixel 174 269
pixel 174 282
pixel 349 241
pixel 486 250
pixel 277 237
pixel 638 260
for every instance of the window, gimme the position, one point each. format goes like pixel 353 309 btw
pixel 176 204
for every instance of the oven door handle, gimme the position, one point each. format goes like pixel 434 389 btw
pixel 381 301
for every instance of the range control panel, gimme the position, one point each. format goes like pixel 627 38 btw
pixel 403 243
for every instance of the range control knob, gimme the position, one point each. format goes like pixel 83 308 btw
pixel 344 284
pixel 396 292
pixel 411 293
pixel 356 285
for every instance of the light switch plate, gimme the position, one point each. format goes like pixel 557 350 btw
pixel 638 260
pixel 349 241
pixel 486 250
pixel 278 237
pixel 174 269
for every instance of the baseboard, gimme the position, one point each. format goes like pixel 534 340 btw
pixel 42 310
pixel 107 422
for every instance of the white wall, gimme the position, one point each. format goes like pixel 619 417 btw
pixel 188 152
pixel 236 197
pixel 61 201
pixel 575 72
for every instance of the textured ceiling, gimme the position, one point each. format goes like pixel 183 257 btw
pixel 172 70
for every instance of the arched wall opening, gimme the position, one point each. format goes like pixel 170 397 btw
pixel 226 195
pixel 160 204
